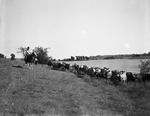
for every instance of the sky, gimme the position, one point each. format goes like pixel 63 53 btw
pixel 75 27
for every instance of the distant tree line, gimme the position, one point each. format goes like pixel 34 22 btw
pixel 76 58
pixel 119 56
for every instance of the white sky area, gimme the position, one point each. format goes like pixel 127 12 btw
pixel 75 27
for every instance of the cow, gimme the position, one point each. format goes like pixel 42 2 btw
pixel 115 78
pixel 36 61
pixel 72 68
pixel 146 77
pixel 97 72
pixel 50 63
pixel 138 77
pixel 66 66
pixel 130 77
pixel 57 66
pixel 103 73
pixel 91 71
pixel 123 76
pixel 85 69
pixel 109 74
pixel 76 67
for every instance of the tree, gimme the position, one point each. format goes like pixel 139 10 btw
pixel 72 58
pixel 42 55
pixel 12 56
pixel 22 50
pixel 144 67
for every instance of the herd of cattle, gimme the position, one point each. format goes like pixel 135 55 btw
pixel 115 76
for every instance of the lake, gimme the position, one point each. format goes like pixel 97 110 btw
pixel 114 64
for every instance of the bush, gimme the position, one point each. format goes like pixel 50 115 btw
pixel 42 55
pixel 144 67
pixel 12 56
pixel 2 55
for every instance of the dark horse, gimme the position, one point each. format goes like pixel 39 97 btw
pixel 30 58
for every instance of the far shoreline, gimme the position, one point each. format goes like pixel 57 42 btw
pixel 108 57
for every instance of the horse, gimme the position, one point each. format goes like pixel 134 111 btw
pixel 30 58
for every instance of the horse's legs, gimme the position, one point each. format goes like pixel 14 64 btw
pixel 31 65
pixel 27 64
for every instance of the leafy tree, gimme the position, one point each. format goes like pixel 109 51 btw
pixel 42 55
pixel 144 67
pixel 12 56
pixel 22 50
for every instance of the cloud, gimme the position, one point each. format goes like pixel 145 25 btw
pixel 126 45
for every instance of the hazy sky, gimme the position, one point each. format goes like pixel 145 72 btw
pixel 75 27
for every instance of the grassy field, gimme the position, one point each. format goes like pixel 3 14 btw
pixel 45 92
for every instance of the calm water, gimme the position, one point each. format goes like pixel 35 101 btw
pixel 115 64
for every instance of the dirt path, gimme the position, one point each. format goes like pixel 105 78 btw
pixel 42 91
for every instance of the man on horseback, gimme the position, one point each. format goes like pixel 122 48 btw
pixel 28 52
pixel 30 56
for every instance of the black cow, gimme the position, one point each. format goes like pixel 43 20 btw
pixel 91 72
pixel 146 77
pixel 130 77
pixel 50 63
pixel 104 72
pixel 115 78
pixel 138 77
pixel 57 65
pixel 66 66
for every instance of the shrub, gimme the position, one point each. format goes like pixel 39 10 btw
pixel 42 55
pixel 12 56
pixel 1 55
pixel 144 67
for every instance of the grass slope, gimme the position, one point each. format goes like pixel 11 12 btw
pixel 44 92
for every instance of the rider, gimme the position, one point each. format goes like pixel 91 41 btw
pixel 27 51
